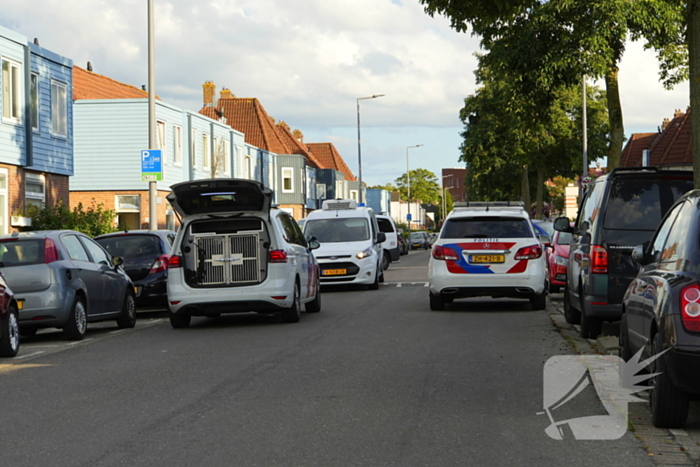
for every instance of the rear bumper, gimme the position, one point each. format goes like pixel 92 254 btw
pixel 47 308
pixel 495 292
pixel 394 254
pixel 597 307
pixel 359 271
pixel 682 364
pixel 152 291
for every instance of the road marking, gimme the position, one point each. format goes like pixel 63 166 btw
pixel 117 331
pixel 80 342
pixel 36 346
pixel 29 355
pixel 6 368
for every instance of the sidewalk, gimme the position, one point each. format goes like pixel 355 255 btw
pixel 677 447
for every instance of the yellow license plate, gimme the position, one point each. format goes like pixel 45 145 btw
pixel 334 272
pixel 20 304
pixel 137 289
pixel 487 258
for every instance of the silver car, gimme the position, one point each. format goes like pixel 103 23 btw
pixel 64 279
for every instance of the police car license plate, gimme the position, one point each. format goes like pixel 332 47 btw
pixel 487 258
pixel 334 272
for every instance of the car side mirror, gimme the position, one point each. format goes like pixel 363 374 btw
pixel 563 224
pixel 639 256
pixel 117 261
pixel 313 243
pixel 381 237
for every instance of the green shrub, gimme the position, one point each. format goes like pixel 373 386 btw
pixel 94 221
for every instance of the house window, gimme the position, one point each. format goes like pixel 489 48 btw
pixel 177 145
pixel 34 96
pixel 160 129
pixel 287 180
pixel 128 209
pixel 353 195
pixel 321 191
pixel 59 109
pixel 11 100
pixel 193 149
pixel 248 168
pixel 34 190
pixel 216 157
pixel 206 150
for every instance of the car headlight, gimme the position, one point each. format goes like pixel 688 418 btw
pixel 364 254
pixel 558 260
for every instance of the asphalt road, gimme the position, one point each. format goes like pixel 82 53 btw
pixel 375 379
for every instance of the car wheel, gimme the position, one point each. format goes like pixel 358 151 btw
pixel 387 261
pixel 668 405
pixel 553 288
pixel 179 320
pixel 76 326
pixel 375 285
pixel 624 339
pixel 437 303
pixel 571 314
pixel 539 302
pixel 9 342
pixel 28 331
pixel 314 306
pixel 590 326
pixel 127 318
pixel 292 314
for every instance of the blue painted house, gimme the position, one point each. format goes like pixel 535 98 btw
pixel 36 128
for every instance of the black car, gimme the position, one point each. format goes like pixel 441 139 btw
pixel 146 254
pixel 661 311
pixel 619 210
pixel 9 321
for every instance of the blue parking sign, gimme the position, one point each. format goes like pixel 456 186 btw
pixel 408 217
pixel 151 165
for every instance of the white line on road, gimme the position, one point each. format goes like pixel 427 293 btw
pixel 80 342
pixel 36 346
pixel 30 355
pixel 117 331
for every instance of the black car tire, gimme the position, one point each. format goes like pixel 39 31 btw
pixel 293 313
pixel 314 306
pixel 553 288
pixel 624 339
pixel 539 302
pixel 387 261
pixel 375 285
pixel 571 314
pixel 127 318
pixel 179 320
pixel 9 342
pixel 437 303
pixel 668 405
pixel 590 326
pixel 76 327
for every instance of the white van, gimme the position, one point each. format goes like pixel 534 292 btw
pixel 392 252
pixel 351 244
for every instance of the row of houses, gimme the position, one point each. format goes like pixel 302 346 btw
pixel 71 135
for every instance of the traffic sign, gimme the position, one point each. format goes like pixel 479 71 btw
pixel 151 165
pixel 408 217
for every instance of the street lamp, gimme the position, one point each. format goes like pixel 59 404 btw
pixel 359 152
pixel 408 185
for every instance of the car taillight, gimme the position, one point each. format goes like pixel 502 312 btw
pixel 444 254
pixel 278 256
pixel 690 308
pixel 160 265
pixel 599 260
pixel 50 251
pixel 529 252
pixel 174 262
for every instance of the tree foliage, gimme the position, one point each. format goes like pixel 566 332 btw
pixel 424 186
pixel 93 221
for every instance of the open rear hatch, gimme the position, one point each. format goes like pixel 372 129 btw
pixel 220 196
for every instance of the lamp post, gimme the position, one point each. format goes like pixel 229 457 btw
pixel 152 186
pixel 359 151
pixel 408 186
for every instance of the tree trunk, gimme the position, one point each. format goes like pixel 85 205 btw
pixel 540 194
pixel 617 128
pixel 525 189
pixel 693 35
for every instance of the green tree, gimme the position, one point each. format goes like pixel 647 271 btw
pixel 424 186
pixel 388 187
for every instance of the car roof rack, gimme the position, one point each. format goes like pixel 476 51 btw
pixel 488 205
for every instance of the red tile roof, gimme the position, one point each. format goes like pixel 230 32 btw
pixel 89 85
pixel 632 152
pixel 671 147
pixel 295 146
pixel 330 158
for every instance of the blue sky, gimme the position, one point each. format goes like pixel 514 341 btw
pixel 308 61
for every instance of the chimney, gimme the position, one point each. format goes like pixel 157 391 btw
pixel 36 41
pixel 678 113
pixel 209 92
pixel 226 94
pixel 143 87
pixel 89 66
pixel 665 124
pixel 298 135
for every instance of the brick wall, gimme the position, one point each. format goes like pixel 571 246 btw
pixel 108 199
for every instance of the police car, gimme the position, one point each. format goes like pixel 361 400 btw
pixel 488 249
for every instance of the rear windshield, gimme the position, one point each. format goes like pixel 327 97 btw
pixel 385 225
pixel 337 230
pixel 21 252
pixel 131 246
pixel 640 204
pixel 487 227
pixel 417 235
pixel 564 238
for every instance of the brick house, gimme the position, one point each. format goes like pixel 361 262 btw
pixel 454 180
pixel 669 147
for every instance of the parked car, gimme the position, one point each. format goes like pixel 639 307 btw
pixel 557 260
pixel 9 321
pixel 234 253
pixel 661 312
pixel 146 254
pixel 392 250
pixel 351 250
pixel 488 249
pixel 403 244
pixel 418 240
pixel 619 210
pixel 543 227
pixel 64 279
